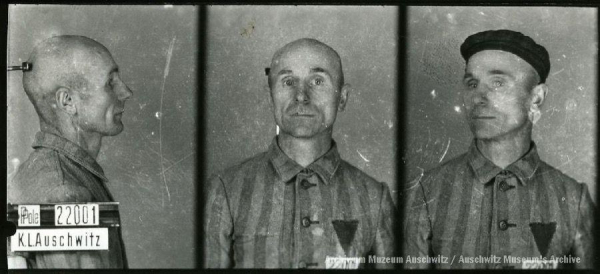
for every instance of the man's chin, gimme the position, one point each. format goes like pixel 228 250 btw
pixel 495 134
pixel 482 135
pixel 115 131
pixel 301 133
pixel 483 132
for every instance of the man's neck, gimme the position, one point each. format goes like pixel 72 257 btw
pixel 504 151
pixel 304 151
pixel 90 142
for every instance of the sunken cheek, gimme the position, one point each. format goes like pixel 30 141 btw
pixel 469 100
pixel 109 100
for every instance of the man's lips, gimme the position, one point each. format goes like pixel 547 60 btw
pixel 482 117
pixel 302 115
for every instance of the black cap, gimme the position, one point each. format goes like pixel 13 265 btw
pixel 510 41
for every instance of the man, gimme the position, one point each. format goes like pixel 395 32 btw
pixel 75 87
pixel 298 203
pixel 499 205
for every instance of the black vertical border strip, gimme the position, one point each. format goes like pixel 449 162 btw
pixel 596 223
pixel 5 225
pixel 402 121
pixel 200 136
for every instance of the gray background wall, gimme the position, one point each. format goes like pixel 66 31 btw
pixel 241 42
pixel 158 231
pixel 565 134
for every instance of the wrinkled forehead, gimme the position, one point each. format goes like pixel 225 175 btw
pixel 494 60
pixel 306 55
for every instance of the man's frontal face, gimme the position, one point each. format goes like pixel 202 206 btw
pixel 103 100
pixel 305 91
pixel 497 94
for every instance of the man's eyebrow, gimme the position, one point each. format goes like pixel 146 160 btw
pixel 284 71
pixel 500 72
pixel 468 75
pixel 319 69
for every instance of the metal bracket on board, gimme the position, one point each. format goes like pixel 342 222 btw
pixel 25 66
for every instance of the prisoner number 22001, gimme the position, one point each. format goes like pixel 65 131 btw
pixel 76 215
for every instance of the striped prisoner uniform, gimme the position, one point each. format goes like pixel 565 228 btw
pixel 480 216
pixel 270 212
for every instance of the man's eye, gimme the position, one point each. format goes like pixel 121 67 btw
pixel 288 82
pixel 318 82
pixel 472 85
pixel 497 84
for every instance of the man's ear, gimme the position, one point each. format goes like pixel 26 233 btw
pixel 344 93
pixel 538 95
pixel 65 101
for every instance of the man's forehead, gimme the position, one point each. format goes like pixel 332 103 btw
pixel 314 59
pixel 306 47
pixel 497 59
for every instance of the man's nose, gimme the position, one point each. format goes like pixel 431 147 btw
pixel 125 93
pixel 480 95
pixel 302 94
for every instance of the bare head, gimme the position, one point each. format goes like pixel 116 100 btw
pixel 74 84
pixel 307 89
pixel 300 49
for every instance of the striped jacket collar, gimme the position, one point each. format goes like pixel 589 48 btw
pixel 325 166
pixel 485 170
pixel 70 150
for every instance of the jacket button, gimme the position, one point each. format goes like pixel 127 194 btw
pixel 306 184
pixel 301 264
pixel 504 186
pixel 503 225
pixel 306 222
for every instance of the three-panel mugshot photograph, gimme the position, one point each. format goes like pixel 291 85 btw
pixel 196 137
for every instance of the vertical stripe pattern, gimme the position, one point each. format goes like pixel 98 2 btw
pixel 486 217
pixel 270 212
pixel 60 171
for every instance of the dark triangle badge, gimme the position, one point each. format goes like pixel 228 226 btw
pixel 543 233
pixel 345 231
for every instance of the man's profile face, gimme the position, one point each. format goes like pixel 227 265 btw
pixel 305 90
pixel 102 102
pixel 497 94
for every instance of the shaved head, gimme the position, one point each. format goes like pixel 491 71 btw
pixel 307 90
pixel 299 49
pixel 61 61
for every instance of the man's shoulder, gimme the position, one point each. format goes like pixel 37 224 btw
pixel 431 180
pixel 41 179
pixel 448 168
pixel 41 165
pixel 245 167
pixel 355 174
pixel 550 174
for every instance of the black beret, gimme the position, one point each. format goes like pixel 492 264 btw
pixel 510 41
